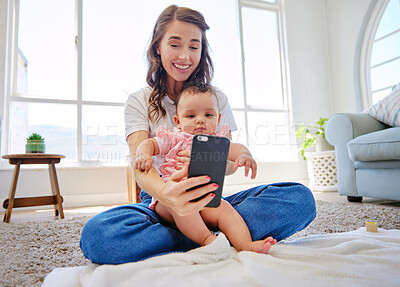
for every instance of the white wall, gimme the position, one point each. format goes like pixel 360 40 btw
pixel 90 186
pixel 346 22
pixel 324 38
pixel 308 59
pixel 80 186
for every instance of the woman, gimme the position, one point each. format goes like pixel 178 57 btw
pixel 178 54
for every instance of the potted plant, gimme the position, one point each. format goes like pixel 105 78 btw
pixel 313 136
pixel 35 144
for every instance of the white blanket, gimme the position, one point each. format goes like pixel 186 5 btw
pixel 357 258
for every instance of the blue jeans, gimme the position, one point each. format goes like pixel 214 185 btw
pixel 134 232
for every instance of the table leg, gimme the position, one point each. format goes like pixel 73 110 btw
pixel 133 187
pixel 7 215
pixel 137 193
pixel 56 190
pixel 129 181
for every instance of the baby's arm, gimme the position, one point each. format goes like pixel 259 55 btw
pixel 144 154
pixel 242 157
pixel 230 164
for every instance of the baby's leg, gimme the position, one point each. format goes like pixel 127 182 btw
pixel 192 226
pixel 229 221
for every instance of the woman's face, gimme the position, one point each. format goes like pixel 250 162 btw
pixel 180 50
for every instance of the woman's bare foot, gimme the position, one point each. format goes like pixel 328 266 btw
pixel 209 239
pixel 260 246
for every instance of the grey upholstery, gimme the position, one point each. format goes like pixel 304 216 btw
pixel 367 156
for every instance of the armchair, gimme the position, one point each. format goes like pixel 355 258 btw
pixel 367 156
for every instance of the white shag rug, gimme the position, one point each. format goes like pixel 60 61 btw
pixel 29 251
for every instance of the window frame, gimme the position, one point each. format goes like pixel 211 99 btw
pixel 14 96
pixel 11 73
pixel 277 7
pixel 366 53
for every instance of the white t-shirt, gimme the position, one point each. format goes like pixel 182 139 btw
pixel 136 118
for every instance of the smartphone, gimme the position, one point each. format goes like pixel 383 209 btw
pixel 209 156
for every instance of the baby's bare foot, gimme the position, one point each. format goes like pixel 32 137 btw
pixel 208 240
pixel 261 246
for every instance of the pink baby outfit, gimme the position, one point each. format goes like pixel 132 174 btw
pixel 170 143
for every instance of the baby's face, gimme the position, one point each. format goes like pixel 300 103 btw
pixel 198 113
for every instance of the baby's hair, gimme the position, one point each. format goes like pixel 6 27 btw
pixel 196 88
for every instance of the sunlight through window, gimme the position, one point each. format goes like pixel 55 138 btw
pixel 78 61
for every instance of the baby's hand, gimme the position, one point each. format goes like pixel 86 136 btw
pixel 144 162
pixel 249 163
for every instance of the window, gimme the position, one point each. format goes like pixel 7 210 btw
pixel 381 56
pixel 264 112
pixel 76 62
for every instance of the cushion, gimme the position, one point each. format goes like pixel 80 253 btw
pixel 380 145
pixel 383 164
pixel 387 110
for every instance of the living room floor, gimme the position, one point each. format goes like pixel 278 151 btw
pixel 47 213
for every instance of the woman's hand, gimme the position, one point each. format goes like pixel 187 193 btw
pixel 174 193
pixel 182 157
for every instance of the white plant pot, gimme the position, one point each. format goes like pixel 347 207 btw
pixel 322 144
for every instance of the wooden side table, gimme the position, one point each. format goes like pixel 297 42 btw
pixel 133 187
pixel 34 158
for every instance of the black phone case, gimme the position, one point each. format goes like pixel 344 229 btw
pixel 209 156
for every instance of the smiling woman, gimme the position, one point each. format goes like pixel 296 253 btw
pixel 178 44
pixel 291 205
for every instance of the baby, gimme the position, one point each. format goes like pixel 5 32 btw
pixel 197 113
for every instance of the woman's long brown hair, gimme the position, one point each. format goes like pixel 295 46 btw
pixel 156 75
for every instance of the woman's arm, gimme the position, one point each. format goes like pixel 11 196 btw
pixel 134 140
pixel 144 154
pixel 173 192
pixel 148 146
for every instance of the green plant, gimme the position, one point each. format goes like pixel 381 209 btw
pixel 308 134
pixel 35 137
